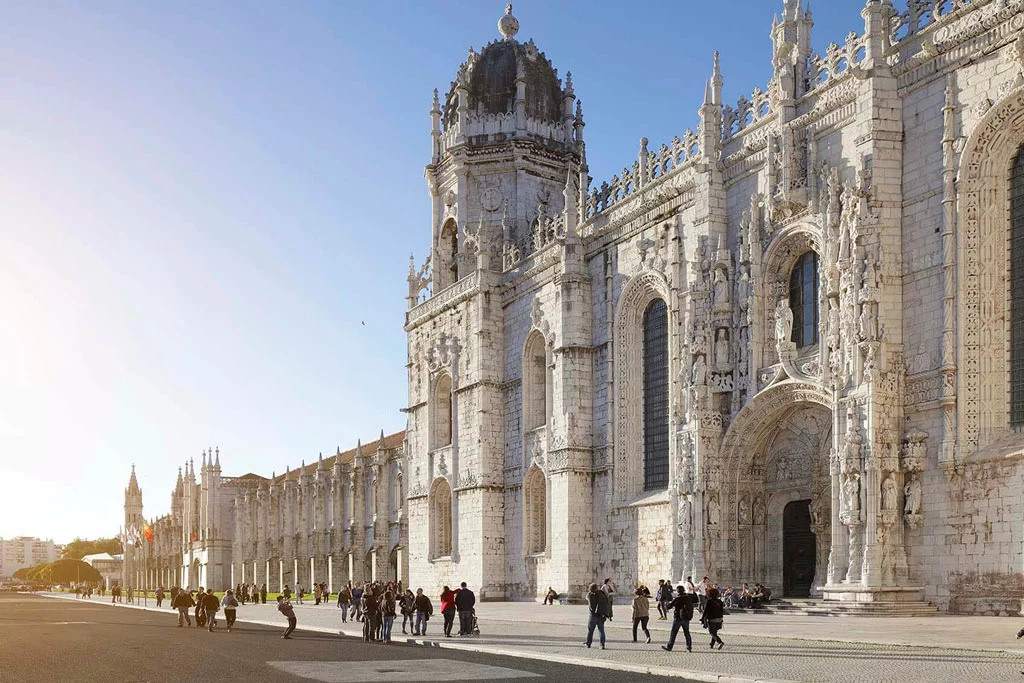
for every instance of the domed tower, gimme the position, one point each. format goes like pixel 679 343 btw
pixel 507 140
pixel 506 176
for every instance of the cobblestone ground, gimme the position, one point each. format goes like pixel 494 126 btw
pixel 744 657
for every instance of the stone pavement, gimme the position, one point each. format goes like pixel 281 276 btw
pixel 782 648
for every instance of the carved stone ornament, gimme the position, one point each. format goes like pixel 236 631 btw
pixel 915 451
pixel 538 320
pixel 492 199
pixel 443 353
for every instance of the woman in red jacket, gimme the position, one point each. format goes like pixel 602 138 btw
pixel 448 610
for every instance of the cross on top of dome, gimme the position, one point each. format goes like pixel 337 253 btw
pixel 508 25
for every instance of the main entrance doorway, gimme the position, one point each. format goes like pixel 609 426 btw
pixel 798 550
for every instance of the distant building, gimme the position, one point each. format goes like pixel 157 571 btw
pixel 109 567
pixel 24 551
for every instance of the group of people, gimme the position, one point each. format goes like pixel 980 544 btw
pixel 250 592
pixel 681 603
pixel 748 597
pixel 84 591
pixel 206 606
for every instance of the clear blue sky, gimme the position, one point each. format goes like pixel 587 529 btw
pixel 201 204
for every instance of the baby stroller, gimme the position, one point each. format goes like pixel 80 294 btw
pixel 476 625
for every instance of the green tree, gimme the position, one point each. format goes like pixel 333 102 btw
pixel 64 571
pixel 80 547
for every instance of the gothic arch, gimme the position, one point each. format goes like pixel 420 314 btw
pixel 441 522
pixel 982 259
pixel 441 411
pixel 636 296
pixel 537 381
pixel 535 512
pixel 789 244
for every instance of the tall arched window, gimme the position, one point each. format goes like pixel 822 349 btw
pixel 441 519
pixel 536 382
pixel 1017 290
pixel 442 411
pixel 535 523
pixel 656 396
pixel 803 300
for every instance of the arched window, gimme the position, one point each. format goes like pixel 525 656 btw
pixel 448 248
pixel 803 300
pixel 1017 290
pixel 535 522
pixel 443 412
pixel 441 519
pixel 536 382
pixel 656 396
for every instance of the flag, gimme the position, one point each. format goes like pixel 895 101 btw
pixel 134 537
pixel 147 532
pixel 192 536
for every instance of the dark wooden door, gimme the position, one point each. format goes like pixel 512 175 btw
pixel 797 550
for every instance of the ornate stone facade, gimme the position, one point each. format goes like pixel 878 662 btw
pixel 833 253
pixel 338 519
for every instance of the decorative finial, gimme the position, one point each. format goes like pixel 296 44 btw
pixel 508 25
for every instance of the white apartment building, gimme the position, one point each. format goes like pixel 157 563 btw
pixel 24 551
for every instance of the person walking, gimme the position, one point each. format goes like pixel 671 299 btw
pixel 285 608
pixel 641 613
pixel 370 611
pixel 159 596
pixel 344 600
pixel 387 614
pixel 682 613
pixel 702 593
pixel 600 610
pixel 448 610
pixel 424 609
pixel 357 597
pixel 211 604
pixel 200 608
pixel 408 609
pixel 263 593
pixel 465 601
pixel 659 597
pixel 183 602
pixel 230 605
pixel 714 617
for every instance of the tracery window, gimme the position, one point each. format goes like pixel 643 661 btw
pixel 535 512
pixel 443 412
pixel 536 382
pixel 655 396
pixel 441 519
pixel 803 300
pixel 1017 290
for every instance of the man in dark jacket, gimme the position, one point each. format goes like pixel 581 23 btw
pixel 464 601
pixel 211 605
pixel 682 613
pixel 600 610
pixel 424 609
pixel 183 603
pixel 285 608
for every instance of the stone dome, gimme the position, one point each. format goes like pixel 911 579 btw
pixel 491 79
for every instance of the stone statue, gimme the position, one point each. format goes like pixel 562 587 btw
pixel 833 323
pixel 685 520
pixel 744 511
pixel 783 322
pixel 714 512
pixel 851 495
pixel 722 349
pixel 743 290
pixel 889 493
pixel 870 277
pixel 700 372
pixel 912 495
pixel 721 290
pixel 759 512
pixel 868 322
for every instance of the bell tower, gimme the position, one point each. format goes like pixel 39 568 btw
pixel 132 531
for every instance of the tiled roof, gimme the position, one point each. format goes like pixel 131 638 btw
pixel 390 442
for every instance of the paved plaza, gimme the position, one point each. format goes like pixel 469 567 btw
pixel 758 647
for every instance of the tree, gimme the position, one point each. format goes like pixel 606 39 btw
pixel 22 573
pixel 81 547
pixel 64 571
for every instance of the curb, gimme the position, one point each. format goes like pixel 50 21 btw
pixel 701 676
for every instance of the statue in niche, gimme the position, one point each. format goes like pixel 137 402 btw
pixel 889 493
pixel 714 512
pixel 685 519
pixel 759 512
pixel 833 323
pixel 783 322
pixel 870 277
pixel 743 289
pixel 721 289
pixel 744 511
pixel 851 495
pixel 722 349
pixel 700 371
pixel 912 496
pixel 744 347
pixel 868 322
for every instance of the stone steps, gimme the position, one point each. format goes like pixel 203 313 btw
pixel 829 608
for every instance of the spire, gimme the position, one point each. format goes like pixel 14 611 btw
pixel 218 458
pixel 320 462
pixel 204 460
pixel 568 83
pixel 571 210
pixel 508 25
pixel 133 483
pixel 708 99
pixel 716 81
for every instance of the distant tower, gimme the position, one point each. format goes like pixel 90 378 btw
pixel 132 530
